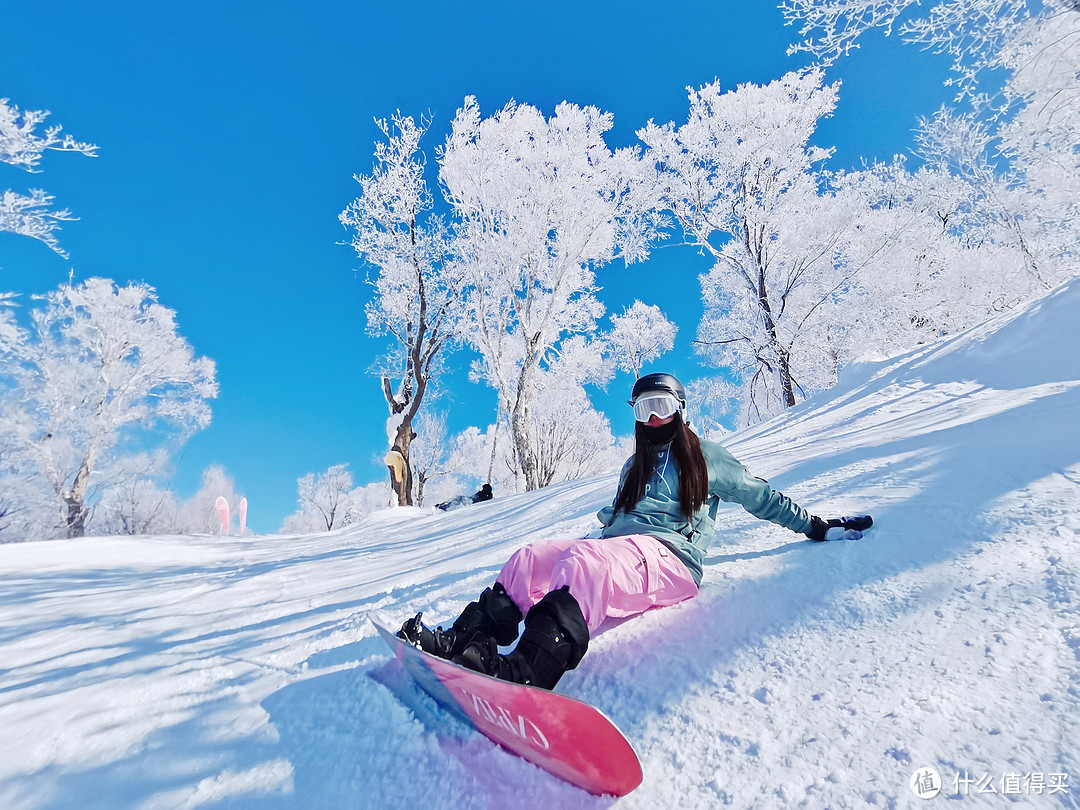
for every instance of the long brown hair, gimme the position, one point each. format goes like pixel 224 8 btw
pixel 690 461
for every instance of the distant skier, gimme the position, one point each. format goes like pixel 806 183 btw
pixel 484 494
pixel 650 552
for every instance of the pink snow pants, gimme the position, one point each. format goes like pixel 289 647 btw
pixel 615 576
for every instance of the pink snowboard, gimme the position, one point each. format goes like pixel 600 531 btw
pixel 565 737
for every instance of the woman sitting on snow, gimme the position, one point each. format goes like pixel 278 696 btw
pixel 649 554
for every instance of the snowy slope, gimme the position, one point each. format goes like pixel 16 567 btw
pixel 186 672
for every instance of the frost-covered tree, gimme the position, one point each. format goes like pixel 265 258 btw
pixel 1022 168
pixel 573 439
pixel 742 179
pixel 477 457
pixel 325 504
pixel 327 496
pixel 540 204
pixel 714 399
pixel 1042 136
pixel 640 335
pixel 198 514
pixel 971 32
pixel 102 366
pixel 417 286
pixel 998 209
pixel 21 486
pixel 1043 88
pixel 914 274
pixel 134 502
pixel 27 510
pixel 437 458
pixel 22 145
pixel 9 329
pixel 1018 145
pixel 485 456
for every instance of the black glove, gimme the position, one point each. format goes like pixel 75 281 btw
pixel 844 528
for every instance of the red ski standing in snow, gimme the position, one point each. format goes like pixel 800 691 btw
pixel 649 554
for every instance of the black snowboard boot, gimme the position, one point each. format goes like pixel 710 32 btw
pixel 555 640
pixel 493 616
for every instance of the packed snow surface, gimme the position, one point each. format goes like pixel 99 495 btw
pixel 178 672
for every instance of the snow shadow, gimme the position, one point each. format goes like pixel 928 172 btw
pixel 370 737
pixel 162 771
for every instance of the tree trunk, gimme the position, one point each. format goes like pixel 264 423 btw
pixel 402 440
pixel 420 481
pixel 75 499
pixel 75 522
pixel 519 427
pixel 494 441
pixel 783 356
pixel 785 378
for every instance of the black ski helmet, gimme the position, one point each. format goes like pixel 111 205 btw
pixel 667 383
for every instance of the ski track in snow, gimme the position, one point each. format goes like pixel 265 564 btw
pixel 180 672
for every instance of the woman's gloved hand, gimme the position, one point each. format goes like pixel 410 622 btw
pixel 842 528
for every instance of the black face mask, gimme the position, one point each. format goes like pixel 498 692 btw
pixel 661 435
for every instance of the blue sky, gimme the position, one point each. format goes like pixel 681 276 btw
pixel 229 135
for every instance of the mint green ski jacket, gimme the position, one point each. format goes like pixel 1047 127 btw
pixel 658 514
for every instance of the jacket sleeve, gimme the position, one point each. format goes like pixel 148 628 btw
pixel 732 482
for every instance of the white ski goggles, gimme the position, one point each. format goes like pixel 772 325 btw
pixel 663 405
